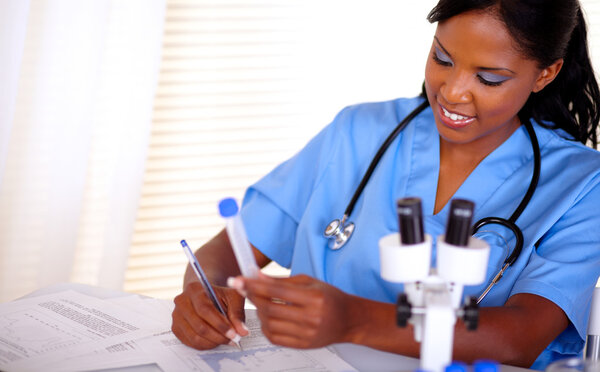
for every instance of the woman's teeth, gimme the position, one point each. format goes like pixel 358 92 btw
pixel 453 116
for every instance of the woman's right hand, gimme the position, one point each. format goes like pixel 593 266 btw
pixel 198 324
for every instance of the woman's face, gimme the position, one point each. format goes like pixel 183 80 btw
pixel 477 82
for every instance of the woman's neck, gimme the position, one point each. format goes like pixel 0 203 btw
pixel 459 160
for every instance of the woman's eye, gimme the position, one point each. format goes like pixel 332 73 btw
pixel 491 79
pixel 441 58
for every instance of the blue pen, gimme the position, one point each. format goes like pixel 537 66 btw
pixel 206 284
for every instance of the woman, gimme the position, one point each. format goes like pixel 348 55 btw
pixel 494 67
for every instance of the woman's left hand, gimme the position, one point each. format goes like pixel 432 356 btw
pixel 299 311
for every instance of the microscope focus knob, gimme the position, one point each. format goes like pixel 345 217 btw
pixel 403 310
pixel 471 314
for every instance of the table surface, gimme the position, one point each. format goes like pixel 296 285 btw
pixel 360 357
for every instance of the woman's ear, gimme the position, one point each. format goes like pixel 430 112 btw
pixel 547 75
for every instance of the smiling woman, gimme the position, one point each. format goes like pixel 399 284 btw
pixel 475 115
pixel 498 107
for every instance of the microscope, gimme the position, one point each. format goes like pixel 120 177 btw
pixel 432 297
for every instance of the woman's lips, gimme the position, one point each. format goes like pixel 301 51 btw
pixel 454 120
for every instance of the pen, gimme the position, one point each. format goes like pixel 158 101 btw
pixel 206 284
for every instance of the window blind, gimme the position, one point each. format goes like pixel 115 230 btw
pixel 227 108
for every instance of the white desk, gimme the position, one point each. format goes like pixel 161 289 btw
pixel 360 357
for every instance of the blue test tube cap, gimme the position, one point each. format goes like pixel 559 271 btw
pixel 486 366
pixel 456 367
pixel 228 207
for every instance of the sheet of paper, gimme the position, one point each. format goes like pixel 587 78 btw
pixel 120 355
pixel 69 331
pixel 258 354
pixel 159 310
pixel 47 329
pixel 127 353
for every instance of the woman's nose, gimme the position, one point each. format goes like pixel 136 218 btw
pixel 456 88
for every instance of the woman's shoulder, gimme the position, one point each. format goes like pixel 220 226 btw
pixel 372 120
pixel 564 149
pixel 575 164
pixel 383 111
pixel 359 130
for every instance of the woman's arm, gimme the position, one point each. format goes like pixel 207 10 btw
pixel 303 312
pixel 196 321
pixel 513 334
pixel 218 261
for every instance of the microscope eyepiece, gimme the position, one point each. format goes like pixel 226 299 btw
pixel 458 228
pixel 410 220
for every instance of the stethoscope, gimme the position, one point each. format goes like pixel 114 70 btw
pixel 340 231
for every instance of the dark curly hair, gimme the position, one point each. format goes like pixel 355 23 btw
pixel 546 31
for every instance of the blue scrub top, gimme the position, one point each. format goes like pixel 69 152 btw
pixel 286 212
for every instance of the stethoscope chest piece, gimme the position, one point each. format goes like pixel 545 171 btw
pixel 339 232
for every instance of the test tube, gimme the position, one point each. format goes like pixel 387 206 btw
pixel 410 220
pixel 236 232
pixel 458 228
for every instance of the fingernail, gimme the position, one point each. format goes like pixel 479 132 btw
pixel 245 327
pixel 231 282
pixel 230 334
pixel 234 283
pixel 236 339
pixel 237 284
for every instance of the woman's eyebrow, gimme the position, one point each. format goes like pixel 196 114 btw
pixel 441 46
pixel 497 69
pixel 480 67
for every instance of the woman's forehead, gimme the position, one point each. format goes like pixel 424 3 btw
pixel 478 35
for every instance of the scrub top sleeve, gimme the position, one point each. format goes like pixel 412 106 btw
pixel 273 206
pixel 566 265
pixel 266 224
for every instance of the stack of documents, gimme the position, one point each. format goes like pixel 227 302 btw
pixel 71 331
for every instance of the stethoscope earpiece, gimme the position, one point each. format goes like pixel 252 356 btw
pixel 340 231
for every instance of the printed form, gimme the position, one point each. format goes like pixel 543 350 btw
pixel 258 355
pixel 70 331
pixel 48 329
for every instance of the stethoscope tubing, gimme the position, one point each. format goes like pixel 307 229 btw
pixel 340 237
pixel 511 222
pixel 382 149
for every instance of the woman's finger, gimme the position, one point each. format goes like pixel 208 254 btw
pixel 278 326
pixel 187 334
pixel 234 306
pixel 203 317
pixel 195 317
pixel 292 341
pixel 267 308
pixel 289 290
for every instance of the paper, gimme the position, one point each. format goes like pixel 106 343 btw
pixel 258 354
pixel 48 329
pixel 119 355
pixel 126 353
pixel 69 331
pixel 159 310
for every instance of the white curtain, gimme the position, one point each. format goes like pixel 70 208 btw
pixel 78 83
